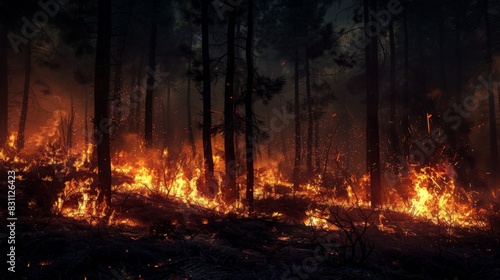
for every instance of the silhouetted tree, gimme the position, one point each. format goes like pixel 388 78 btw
pixel 230 158
pixel 372 101
pixel 24 104
pixel 4 86
pixel 148 120
pixel 392 100
pixel 207 96
pixel 491 99
pixel 101 97
pixel 249 137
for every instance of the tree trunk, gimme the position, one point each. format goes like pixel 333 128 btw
pixel 372 120
pixel 458 45
pixel 188 103
pixel 117 98
pixel 392 100
pixel 491 98
pixel 366 15
pixel 207 98
pixel 71 123
pixel 135 99
pixel 164 133
pixel 442 53
pixel 406 87
pixel 230 193
pixel 168 127
pixel 316 145
pixel 148 120
pixel 86 123
pixel 86 127
pixel 132 99
pixel 248 110
pixel 269 145
pixel 4 88
pixel 101 106
pixel 296 164
pixel 284 146
pixel 310 120
pixel 24 106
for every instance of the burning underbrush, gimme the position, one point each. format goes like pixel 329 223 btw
pixel 165 221
pixel 64 183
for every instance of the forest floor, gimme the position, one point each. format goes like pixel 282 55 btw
pixel 164 239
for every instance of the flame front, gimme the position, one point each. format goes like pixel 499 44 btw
pixel 430 193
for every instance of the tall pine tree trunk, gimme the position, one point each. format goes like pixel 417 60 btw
pixel 135 99
pixel 316 145
pixel 297 159
pixel 207 96
pixel 165 133
pixel 169 137
pixel 101 106
pixel 248 110
pixel 458 44
pixel 406 87
pixel 86 118
pixel 88 152
pixel 310 120
pixel 366 16
pixel 392 99
pixel 4 88
pixel 148 120
pixel 71 123
pixel 491 98
pixel 117 90
pixel 442 53
pixel 132 101
pixel 24 105
pixel 230 192
pixel 189 114
pixel 372 117
pixel 284 146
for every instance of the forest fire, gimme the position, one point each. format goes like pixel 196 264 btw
pixel 221 139
pixel 429 193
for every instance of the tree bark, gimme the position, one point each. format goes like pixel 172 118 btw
pixel 442 53
pixel 406 87
pixel 207 97
pixel 316 145
pixel 135 99
pixel 4 88
pixel 117 98
pixel 89 151
pixel 148 120
pixel 392 100
pixel 372 119
pixel 248 110
pixel 310 120
pixel 169 137
pixel 458 44
pixel 230 193
pixel 366 15
pixel 24 105
pixel 296 164
pixel 86 122
pixel 189 114
pixel 491 98
pixel 71 122
pixel 101 96
pixel 284 146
